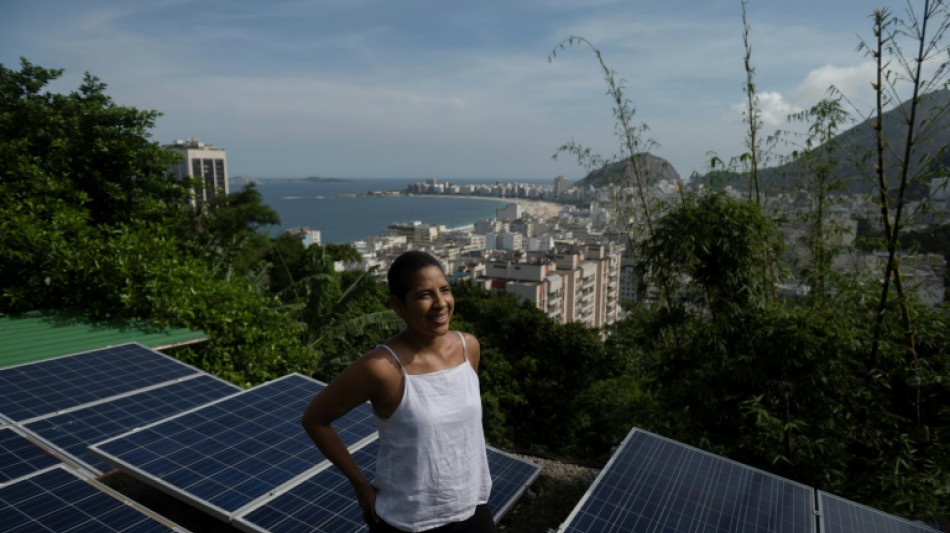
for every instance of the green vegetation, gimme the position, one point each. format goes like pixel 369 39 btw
pixel 91 219
pixel 842 389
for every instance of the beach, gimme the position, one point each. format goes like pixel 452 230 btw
pixel 541 209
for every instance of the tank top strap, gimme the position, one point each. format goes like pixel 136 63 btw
pixel 464 348
pixel 398 362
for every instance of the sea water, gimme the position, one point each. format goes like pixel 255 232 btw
pixel 343 214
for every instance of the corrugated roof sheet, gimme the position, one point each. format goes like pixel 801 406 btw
pixel 40 335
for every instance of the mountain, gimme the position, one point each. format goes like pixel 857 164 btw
pixel 621 171
pixel 854 153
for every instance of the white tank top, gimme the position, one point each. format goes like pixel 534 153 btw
pixel 432 467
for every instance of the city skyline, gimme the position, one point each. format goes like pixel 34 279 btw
pixel 369 89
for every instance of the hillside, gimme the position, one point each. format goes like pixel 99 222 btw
pixel 855 147
pixel 658 169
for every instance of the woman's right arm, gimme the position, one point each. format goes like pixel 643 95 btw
pixel 354 386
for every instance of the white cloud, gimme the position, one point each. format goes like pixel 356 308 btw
pixel 376 91
pixel 775 108
pixel 853 81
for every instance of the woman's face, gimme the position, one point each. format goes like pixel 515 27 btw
pixel 428 305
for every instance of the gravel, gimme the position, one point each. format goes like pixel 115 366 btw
pixel 551 498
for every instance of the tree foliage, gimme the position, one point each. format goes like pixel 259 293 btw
pixel 91 219
pixel 782 384
pixel 532 369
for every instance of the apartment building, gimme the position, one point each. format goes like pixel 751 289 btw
pixel 509 212
pixel 202 161
pixel 573 284
pixel 418 234
pixel 308 236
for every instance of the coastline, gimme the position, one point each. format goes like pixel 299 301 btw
pixel 542 209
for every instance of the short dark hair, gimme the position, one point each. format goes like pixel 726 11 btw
pixel 404 267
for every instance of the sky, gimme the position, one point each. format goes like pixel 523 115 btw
pixel 445 89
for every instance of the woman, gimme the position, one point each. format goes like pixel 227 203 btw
pixel 432 471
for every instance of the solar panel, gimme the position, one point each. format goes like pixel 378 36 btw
pixel 57 499
pixel 19 456
pixel 36 389
pixel 223 456
pixel 73 431
pixel 510 476
pixel 838 515
pixel 656 484
pixel 325 501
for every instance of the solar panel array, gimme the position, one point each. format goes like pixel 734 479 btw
pixel 36 389
pixel 510 477
pixel 63 405
pixel 652 483
pixel 19 456
pixel 325 502
pixel 656 484
pixel 228 451
pixel 58 499
pixel 74 430
pixel 247 460
pixel 57 407
pixel 838 515
pixel 224 455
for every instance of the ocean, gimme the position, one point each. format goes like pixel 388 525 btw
pixel 341 220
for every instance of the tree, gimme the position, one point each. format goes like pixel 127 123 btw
pixel 73 166
pixel 322 305
pixel 716 245
pixel 91 219
pixel 82 149
pixel 229 231
pixel 818 157
pixel 532 369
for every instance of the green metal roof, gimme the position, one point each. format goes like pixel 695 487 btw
pixel 40 335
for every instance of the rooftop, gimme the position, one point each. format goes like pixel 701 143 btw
pixel 39 335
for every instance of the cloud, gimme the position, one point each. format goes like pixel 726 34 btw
pixel 380 88
pixel 774 108
pixel 853 81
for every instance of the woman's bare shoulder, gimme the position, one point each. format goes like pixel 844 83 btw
pixel 473 349
pixel 378 364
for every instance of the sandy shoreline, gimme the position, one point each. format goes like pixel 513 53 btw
pixel 539 208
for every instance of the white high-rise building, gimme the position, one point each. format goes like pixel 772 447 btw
pixel 578 284
pixel 200 160
pixel 509 212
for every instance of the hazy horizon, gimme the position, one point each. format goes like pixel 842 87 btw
pixel 369 88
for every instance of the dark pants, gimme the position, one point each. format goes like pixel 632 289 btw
pixel 480 522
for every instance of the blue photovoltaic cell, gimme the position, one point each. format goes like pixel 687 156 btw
pixel 225 455
pixel 19 456
pixel 839 515
pixel 325 502
pixel 510 476
pixel 35 389
pixel 59 500
pixel 656 484
pixel 74 431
